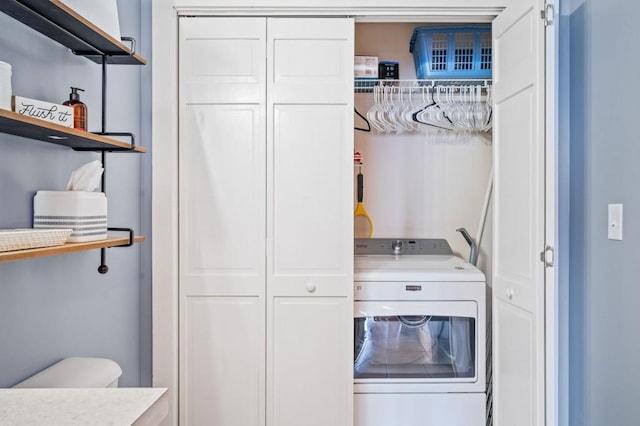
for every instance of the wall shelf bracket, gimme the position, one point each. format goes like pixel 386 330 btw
pixel 103 268
pixel 131 137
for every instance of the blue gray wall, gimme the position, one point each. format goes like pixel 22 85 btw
pixel 605 153
pixel 56 307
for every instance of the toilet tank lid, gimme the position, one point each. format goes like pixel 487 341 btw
pixel 75 372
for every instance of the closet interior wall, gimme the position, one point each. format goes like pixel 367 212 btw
pixel 420 185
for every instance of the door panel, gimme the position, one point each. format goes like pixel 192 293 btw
pixel 308 364
pixel 517 204
pixel 515 361
pixel 223 361
pixel 222 61
pixel 222 157
pixel 518 281
pixel 222 224
pixel 513 67
pixel 309 223
pixel 310 57
pixel 309 159
pixel 309 207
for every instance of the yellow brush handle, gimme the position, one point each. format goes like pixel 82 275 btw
pixel 360 211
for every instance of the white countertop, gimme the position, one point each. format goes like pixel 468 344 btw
pixel 110 406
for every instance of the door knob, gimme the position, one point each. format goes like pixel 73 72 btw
pixel 311 287
pixel 509 293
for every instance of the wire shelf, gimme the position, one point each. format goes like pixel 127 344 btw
pixel 366 85
pixel 406 106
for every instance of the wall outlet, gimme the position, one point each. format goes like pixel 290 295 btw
pixel 615 222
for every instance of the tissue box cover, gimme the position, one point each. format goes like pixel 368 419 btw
pixel 84 212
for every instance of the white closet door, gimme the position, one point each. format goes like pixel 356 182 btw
pixel 519 147
pixel 309 221
pixel 222 221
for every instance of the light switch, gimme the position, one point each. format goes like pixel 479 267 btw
pixel 615 222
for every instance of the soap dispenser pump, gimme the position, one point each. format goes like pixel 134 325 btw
pixel 79 109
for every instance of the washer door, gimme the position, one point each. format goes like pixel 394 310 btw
pixel 416 340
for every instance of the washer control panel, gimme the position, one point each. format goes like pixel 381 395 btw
pixel 400 246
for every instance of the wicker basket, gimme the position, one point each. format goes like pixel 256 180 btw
pixel 21 239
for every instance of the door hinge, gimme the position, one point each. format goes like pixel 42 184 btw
pixel 547 14
pixel 547 257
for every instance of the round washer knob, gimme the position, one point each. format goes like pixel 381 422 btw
pixel 311 287
pixel 396 246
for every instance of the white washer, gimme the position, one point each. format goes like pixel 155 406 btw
pixel 419 338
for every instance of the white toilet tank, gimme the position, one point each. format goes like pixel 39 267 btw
pixel 76 372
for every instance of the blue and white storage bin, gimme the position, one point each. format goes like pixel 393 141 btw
pixel 452 52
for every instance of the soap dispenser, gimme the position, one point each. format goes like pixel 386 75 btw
pixel 79 109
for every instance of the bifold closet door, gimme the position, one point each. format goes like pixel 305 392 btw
pixel 309 221
pixel 519 215
pixel 222 221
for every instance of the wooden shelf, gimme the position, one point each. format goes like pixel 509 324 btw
pixel 62 24
pixel 10 256
pixel 32 128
